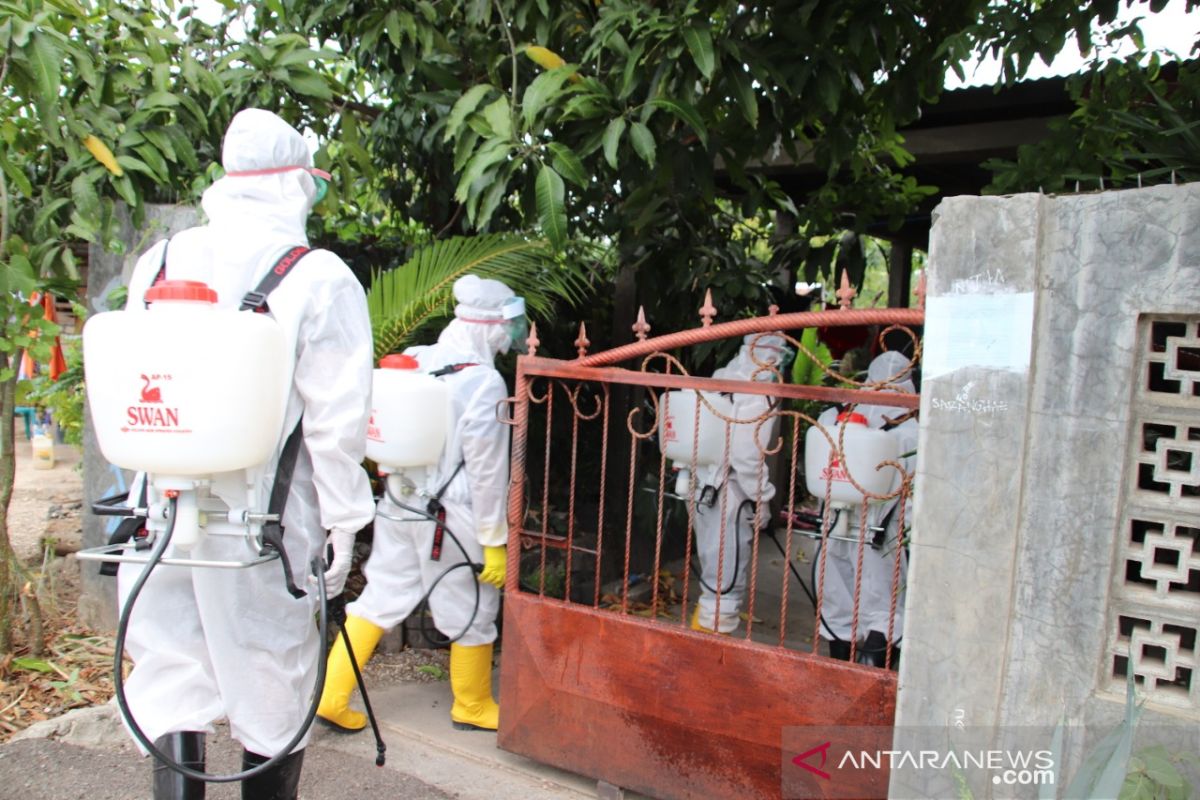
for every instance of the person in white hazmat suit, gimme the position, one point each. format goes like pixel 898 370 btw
pixel 727 498
pixel 233 643
pixel 472 476
pixel 888 372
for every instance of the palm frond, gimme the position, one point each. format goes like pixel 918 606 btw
pixel 418 293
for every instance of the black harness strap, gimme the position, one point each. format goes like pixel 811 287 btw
pixel 162 273
pixel 272 532
pixel 257 299
pixel 450 369
pixel 436 508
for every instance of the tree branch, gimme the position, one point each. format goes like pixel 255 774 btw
pixel 512 47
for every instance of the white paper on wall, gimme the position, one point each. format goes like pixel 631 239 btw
pixel 993 331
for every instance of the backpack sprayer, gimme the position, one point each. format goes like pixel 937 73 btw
pixel 859 463
pixel 694 439
pixel 180 415
pixel 405 438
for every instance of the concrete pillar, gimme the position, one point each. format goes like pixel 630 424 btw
pixel 1029 580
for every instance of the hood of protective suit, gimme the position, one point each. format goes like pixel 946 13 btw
pixel 478 328
pixel 891 372
pixel 757 351
pixel 268 210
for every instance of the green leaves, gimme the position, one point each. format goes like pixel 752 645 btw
pixel 699 44
pixel 545 87
pixel 464 106
pixel 552 215
pixel 45 64
pixel 567 164
pixel 643 142
pixel 404 301
pixel 612 139
pixel 686 113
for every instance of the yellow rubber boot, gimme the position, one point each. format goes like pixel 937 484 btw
pixel 696 626
pixel 471 682
pixel 334 709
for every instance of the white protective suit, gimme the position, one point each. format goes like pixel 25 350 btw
pixel 213 643
pixel 837 604
pixel 737 485
pixel 400 570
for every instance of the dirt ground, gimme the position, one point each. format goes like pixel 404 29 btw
pixel 46 503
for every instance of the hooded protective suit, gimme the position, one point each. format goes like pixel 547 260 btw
pixel 471 481
pixel 837 605
pixel 400 570
pixel 212 643
pixel 737 489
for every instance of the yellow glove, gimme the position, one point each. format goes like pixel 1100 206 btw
pixel 495 565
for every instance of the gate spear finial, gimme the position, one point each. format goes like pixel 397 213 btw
pixel 708 310
pixel 582 342
pixel 641 327
pixel 846 293
pixel 532 341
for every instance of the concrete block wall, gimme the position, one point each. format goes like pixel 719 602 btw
pixel 1045 316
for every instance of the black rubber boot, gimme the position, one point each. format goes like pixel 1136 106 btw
pixel 839 649
pixel 874 651
pixel 280 782
pixel 185 748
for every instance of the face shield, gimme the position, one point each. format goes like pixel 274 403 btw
pixel 516 324
pixel 320 177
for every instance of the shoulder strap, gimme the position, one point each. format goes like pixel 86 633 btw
pixel 257 299
pixel 453 475
pixel 450 369
pixel 162 270
pixel 272 532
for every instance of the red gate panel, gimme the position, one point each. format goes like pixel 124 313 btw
pixel 663 711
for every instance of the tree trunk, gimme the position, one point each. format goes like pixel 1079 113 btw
pixel 899 275
pixel 8 470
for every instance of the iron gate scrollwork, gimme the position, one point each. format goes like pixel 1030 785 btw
pixel 602 674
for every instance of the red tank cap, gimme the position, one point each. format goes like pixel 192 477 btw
pixel 852 417
pixel 193 291
pixel 398 361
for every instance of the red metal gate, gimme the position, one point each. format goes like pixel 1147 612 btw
pixel 601 673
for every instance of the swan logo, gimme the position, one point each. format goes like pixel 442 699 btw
pixel 150 413
pixel 835 472
pixel 669 434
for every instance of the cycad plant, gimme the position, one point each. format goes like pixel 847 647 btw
pixel 418 293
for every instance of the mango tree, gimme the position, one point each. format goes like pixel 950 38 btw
pixel 105 102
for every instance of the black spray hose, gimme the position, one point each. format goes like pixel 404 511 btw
pixel 813 599
pixel 337 609
pixel 156 555
pixel 737 553
pixel 466 562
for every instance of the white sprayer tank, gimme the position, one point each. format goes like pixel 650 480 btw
pixel 185 389
pixel 408 416
pixel 864 448
pixel 688 440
